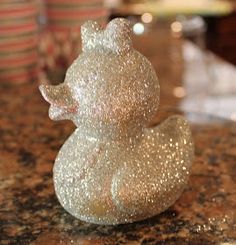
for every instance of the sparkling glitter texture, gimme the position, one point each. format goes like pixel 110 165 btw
pixel 113 169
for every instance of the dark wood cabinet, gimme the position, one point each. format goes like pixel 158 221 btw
pixel 221 36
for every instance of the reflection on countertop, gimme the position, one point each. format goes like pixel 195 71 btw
pixel 29 142
pixel 209 83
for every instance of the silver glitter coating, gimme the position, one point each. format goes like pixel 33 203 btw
pixel 113 169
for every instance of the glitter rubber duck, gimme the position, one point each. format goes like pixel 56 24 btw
pixel 113 169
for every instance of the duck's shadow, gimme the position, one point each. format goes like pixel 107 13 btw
pixel 76 227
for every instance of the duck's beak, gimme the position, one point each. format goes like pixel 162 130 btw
pixel 59 95
pixel 61 100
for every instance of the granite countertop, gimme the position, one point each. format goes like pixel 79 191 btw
pixel 31 214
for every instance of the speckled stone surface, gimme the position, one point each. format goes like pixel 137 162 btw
pixel 31 214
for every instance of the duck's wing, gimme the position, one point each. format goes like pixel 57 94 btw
pixel 159 172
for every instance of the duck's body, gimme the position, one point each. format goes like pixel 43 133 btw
pixel 114 169
pixel 127 180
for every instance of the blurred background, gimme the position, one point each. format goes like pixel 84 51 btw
pixel 191 44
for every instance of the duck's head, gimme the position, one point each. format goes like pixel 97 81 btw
pixel 110 89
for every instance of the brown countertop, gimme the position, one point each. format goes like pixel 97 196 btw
pixel 29 142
